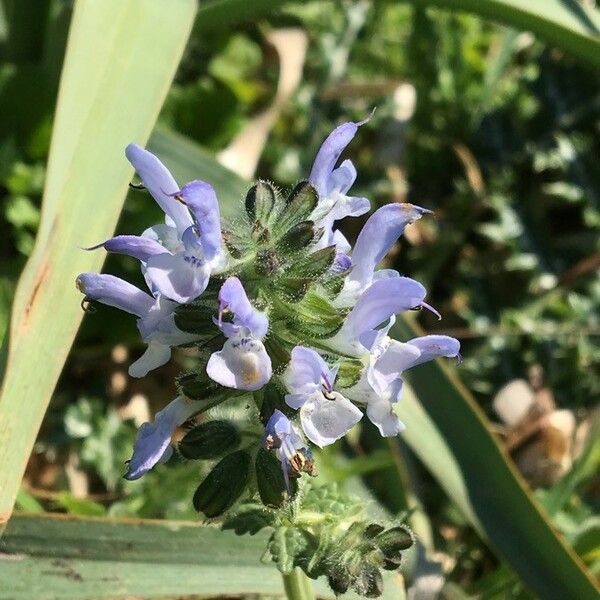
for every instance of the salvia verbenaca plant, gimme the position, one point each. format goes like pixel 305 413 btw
pixel 282 309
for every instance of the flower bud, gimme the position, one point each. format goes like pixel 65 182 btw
pixel 260 201
pixel 223 485
pixel 339 580
pixel 369 583
pixel 299 205
pixel 372 530
pixel 349 373
pixel 393 541
pixel 210 440
pixel 297 237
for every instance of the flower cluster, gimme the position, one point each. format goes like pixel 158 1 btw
pixel 278 305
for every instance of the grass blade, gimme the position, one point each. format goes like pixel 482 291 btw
pixel 120 60
pixel 449 433
pixel 61 557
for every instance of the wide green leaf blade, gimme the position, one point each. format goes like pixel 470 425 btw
pixel 120 60
pixel 450 434
pixel 60 557
pixel 567 24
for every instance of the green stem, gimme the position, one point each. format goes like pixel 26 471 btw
pixel 297 585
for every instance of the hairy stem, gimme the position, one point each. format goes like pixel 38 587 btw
pixel 297 585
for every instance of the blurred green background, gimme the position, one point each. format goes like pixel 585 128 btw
pixel 493 130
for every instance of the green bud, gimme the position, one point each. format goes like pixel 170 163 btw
pixel 313 265
pixel 372 530
pixel 339 580
pixel 223 485
pixel 210 440
pixel 369 583
pixel 269 479
pixel 266 262
pixel 393 541
pixel 299 205
pixel 260 201
pixel 297 237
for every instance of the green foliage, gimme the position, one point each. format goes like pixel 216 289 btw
pixel 73 558
pixel 223 486
pixel 209 440
pixel 85 111
pixel 270 481
pixel 105 440
pixel 325 533
pixel 501 144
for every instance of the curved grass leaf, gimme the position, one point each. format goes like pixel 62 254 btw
pixel 60 557
pixel 449 432
pixel 121 58
pixel 566 24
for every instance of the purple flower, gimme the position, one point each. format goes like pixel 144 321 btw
pixel 377 236
pixel 382 299
pixel 380 385
pixel 152 444
pixel 178 256
pixel 243 363
pixel 325 415
pixel 290 449
pixel 156 317
pixel 333 184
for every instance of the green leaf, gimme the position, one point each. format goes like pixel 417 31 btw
pixel 120 60
pixel 28 503
pixel 223 486
pixel 450 434
pixel 249 518
pixel 285 545
pixel 298 237
pixel 196 317
pixel 80 506
pixel 68 558
pixel 58 557
pixel 314 315
pixel 210 440
pixel 567 24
